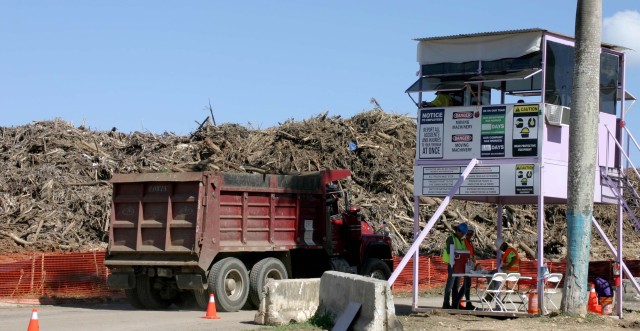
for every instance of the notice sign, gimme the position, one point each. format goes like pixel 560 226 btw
pixel 438 181
pixel 430 134
pixel 492 131
pixel 525 130
pixel 524 178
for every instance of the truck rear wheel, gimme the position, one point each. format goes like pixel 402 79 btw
pixel 149 296
pixel 132 297
pixel 265 269
pixel 376 268
pixel 202 298
pixel 229 281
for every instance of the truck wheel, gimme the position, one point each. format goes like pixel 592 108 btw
pixel 149 296
pixel 265 269
pixel 134 300
pixel 185 300
pixel 229 281
pixel 202 298
pixel 376 268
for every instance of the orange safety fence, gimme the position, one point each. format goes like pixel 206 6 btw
pixel 83 275
pixel 54 275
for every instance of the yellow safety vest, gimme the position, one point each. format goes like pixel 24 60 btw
pixel 458 245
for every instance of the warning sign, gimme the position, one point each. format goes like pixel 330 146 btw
pixel 525 130
pixel 524 178
pixel 431 134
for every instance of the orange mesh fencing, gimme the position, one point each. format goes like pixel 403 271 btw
pixel 54 275
pixel 83 275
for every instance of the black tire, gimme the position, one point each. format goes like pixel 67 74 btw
pixel 148 295
pixel 265 269
pixel 229 281
pixel 185 300
pixel 376 268
pixel 133 299
pixel 202 298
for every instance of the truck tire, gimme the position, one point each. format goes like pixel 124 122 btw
pixel 202 298
pixel 133 299
pixel 265 269
pixel 186 300
pixel 229 281
pixel 149 296
pixel 376 268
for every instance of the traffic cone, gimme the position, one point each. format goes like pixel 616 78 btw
pixel 593 300
pixel 211 309
pixel 33 323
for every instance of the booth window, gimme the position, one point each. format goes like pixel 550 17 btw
pixel 559 79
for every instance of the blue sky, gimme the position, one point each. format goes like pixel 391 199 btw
pixel 154 65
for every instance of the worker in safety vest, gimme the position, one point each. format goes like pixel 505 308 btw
pixel 442 100
pixel 510 259
pixel 453 242
pixel 467 280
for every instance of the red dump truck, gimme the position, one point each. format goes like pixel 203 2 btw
pixel 176 237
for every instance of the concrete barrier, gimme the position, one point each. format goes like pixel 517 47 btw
pixel 288 300
pixel 378 312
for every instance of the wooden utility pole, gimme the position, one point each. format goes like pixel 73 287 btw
pixel 583 137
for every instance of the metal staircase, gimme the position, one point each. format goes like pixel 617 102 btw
pixel 617 180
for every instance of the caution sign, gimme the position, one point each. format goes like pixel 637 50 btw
pixel 431 133
pixel 524 178
pixel 525 130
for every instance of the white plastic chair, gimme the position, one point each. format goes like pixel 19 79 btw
pixel 510 288
pixel 493 289
pixel 551 284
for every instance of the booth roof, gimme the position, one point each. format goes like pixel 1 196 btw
pixel 486 46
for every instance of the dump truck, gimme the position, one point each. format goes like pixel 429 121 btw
pixel 176 238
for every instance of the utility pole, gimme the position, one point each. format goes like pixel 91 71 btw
pixel 582 153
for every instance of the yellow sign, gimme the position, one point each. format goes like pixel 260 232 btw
pixel 524 166
pixel 522 109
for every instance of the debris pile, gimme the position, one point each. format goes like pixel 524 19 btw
pixel 55 194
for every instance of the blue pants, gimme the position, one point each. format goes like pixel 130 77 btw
pixel 451 288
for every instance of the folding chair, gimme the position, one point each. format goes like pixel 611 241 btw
pixel 510 288
pixel 551 284
pixel 493 291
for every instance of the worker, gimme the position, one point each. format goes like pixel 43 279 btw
pixel 604 291
pixel 442 100
pixel 471 231
pixel 510 259
pixel 456 241
pixel 510 263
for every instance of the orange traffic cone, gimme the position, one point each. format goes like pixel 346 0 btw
pixel 33 323
pixel 211 309
pixel 593 300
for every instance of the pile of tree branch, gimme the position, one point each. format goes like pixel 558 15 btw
pixel 55 192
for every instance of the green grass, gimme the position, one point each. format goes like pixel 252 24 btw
pixel 317 322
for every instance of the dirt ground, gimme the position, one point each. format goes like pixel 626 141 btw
pixel 444 321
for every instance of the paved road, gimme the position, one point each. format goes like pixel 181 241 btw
pixel 121 317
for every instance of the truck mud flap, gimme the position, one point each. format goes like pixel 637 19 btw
pixel 122 281
pixel 190 282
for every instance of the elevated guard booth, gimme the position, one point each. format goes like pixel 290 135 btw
pixel 504 138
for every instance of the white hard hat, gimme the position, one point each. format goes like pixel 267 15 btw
pixel 499 242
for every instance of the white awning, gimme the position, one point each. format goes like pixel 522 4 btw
pixel 478 48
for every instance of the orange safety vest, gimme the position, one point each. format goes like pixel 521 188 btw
pixel 515 267
pixel 470 249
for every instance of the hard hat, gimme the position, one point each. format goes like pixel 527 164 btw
pixel 499 242
pixel 462 227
